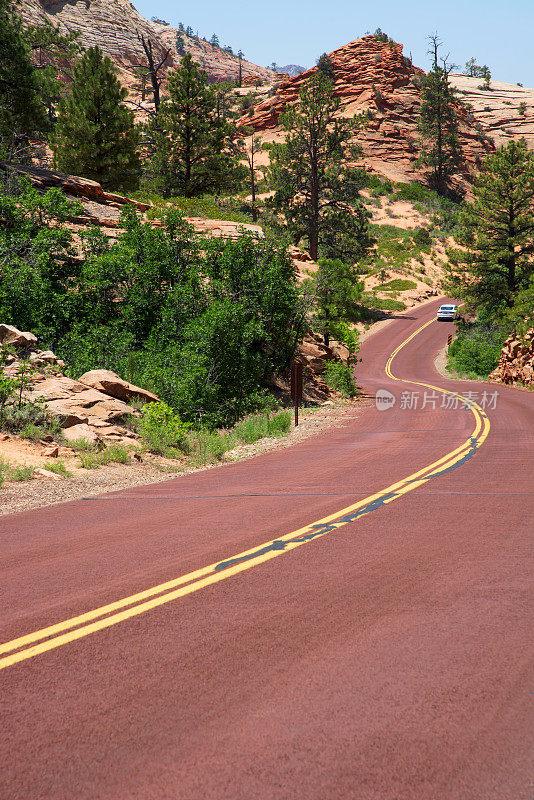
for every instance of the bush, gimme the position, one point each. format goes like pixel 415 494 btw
pixel 339 377
pixel 476 349
pixel 385 305
pixel 422 237
pixel 116 453
pixel 162 431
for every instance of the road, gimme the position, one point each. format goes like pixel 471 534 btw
pixel 346 618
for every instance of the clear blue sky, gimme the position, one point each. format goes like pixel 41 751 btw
pixel 498 33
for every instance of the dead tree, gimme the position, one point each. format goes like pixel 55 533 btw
pixel 153 68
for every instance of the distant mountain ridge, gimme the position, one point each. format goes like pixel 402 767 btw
pixel 292 70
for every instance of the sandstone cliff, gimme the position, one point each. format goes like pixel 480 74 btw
pixel 374 76
pixel 113 25
pixel 505 111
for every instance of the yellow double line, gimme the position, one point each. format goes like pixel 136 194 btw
pixel 98 619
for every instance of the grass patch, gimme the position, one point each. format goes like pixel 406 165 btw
pixel 114 453
pixel 207 447
pixel 231 209
pixel 15 472
pixel 82 446
pixel 59 467
pixel 381 304
pixel 397 285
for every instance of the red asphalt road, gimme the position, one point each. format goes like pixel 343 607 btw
pixel 387 660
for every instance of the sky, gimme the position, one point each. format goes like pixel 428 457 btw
pixel 496 32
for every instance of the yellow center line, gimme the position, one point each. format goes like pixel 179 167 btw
pixel 97 619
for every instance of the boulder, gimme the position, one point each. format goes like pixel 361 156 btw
pixel 46 473
pixel 80 431
pixel 106 381
pixel 20 339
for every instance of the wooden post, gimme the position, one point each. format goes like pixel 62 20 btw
pixel 296 387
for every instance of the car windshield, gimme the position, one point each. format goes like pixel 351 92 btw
pixel 447 308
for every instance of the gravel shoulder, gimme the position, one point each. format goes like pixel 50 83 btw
pixel 23 496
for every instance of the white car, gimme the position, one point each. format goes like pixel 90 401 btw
pixel 447 313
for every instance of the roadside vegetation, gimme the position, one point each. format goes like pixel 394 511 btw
pixel 493 271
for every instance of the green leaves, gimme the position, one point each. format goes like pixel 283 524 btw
pixel 497 233
pixel 190 137
pixel 95 134
pixel 314 189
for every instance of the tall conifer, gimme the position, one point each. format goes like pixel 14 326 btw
pixel 95 135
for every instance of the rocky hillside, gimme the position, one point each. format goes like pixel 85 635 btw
pixel 505 111
pixel 374 76
pixel 114 26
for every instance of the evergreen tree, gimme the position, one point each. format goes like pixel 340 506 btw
pixel 438 124
pixel 192 155
pixel 22 111
pixel 315 190
pixel 324 65
pixel 496 263
pixel 337 289
pixel 95 135
pixel 181 27
pixel 214 41
pixel 180 45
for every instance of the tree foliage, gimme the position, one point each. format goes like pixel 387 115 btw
pixel 494 267
pixel 438 124
pixel 314 188
pixel 22 110
pixel 203 323
pixel 190 138
pixel 95 134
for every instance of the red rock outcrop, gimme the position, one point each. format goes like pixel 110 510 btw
pixel 373 76
pixel 516 364
pixel 89 408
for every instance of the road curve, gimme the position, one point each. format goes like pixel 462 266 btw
pixel 345 618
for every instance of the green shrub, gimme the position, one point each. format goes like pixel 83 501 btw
pixel 385 305
pixel 339 376
pixel 422 238
pixel 162 431
pixel 476 349
pixel 115 453
pixel 89 460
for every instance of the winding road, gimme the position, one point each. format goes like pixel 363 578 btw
pixel 346 618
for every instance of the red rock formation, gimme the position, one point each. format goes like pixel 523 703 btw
pixel 374 76
pixel 516 364
pixel 113 25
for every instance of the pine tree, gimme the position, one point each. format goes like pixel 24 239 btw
pixel 214 41
pixel 192 154
pixel 95 135
pixel 497 233
pixel 324 65
pixel 22 112
pixel 315 190
pixel 438 124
